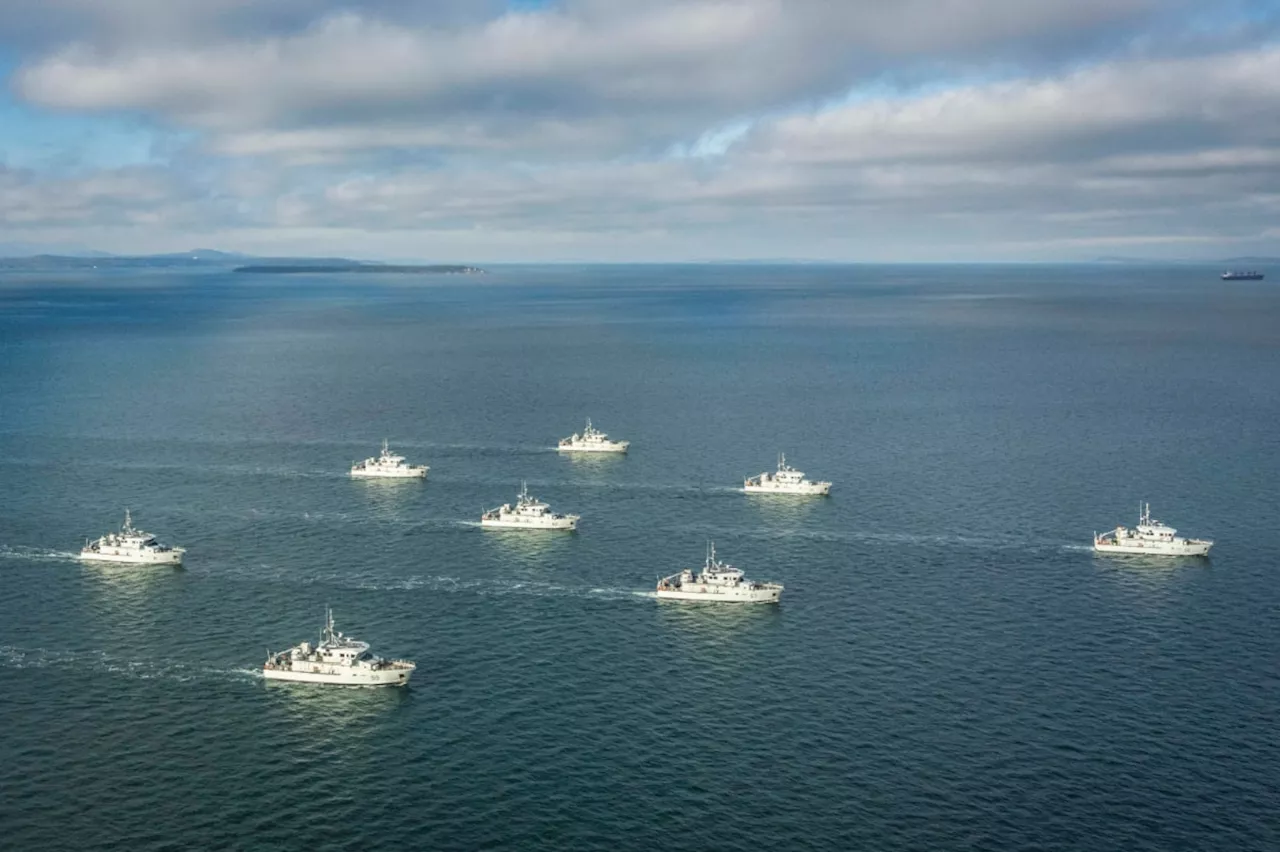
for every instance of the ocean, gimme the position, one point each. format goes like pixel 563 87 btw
pixel 950 666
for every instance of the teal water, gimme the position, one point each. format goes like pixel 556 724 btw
pixel 950 667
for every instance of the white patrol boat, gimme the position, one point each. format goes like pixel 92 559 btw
pixel 388 465
pixel 529 513
pixel 337 660
pixel 592 440
pixel 787 480
pixel 718 583
pixel 131 545
pixel 1150 538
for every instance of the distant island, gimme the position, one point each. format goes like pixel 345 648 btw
pixel 363 268
pixel 221 261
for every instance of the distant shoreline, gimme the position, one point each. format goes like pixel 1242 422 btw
pixel 294 269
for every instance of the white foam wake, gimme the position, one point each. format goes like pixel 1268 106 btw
pixel 13 657
pixel 36 554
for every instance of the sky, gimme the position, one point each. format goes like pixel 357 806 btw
pixel 624 131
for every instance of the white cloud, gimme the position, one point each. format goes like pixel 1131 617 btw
pixel 665 70
pixel 1054 159
pixel 1123 104
pixel 138 197
pixel 710 128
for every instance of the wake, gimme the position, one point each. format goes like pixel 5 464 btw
pixel 36 554
pixel 12 657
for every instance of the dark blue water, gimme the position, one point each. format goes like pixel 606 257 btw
pixel 950 667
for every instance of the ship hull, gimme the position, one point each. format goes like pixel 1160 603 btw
pixel 714 595
pixel 1155 549
pixel 812 490
pixel 412 473
pixel 321 674
pixel 602 448
pixel 168 557
pixel 567 525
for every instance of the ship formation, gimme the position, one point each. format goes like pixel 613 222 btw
pixel 337 659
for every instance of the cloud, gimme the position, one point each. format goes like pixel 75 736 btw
pixel 1107 107
pixel 626 74
pixel 134 196
pixel 924 128
pixel 1178 147
pixel 122 25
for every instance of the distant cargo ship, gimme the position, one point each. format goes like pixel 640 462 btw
pixel 1242 276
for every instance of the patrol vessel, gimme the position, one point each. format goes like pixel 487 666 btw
pixel 1149 538
pixel 718 582
pixel 529 513
pixel 388 465
pixel 132 546
pixel 591 440
pixel 336 660
pixel 786 480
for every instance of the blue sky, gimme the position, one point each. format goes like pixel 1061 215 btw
pixel 477 130
pixel 56 143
